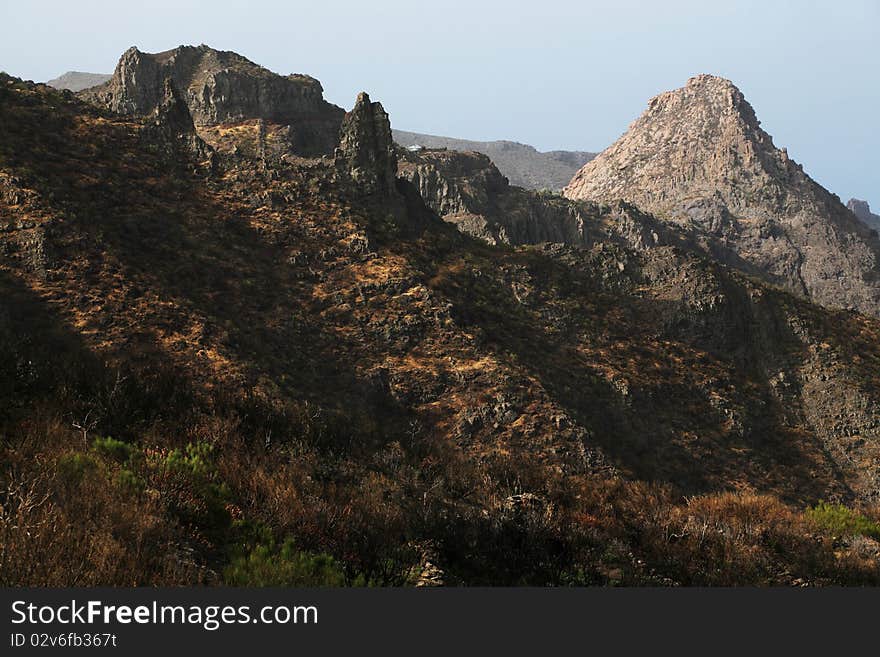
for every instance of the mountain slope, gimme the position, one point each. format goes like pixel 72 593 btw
pixel 209 352
pixel 523 165
pixel 77 80
pixel 698 158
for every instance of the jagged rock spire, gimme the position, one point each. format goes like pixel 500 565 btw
pixel 366 148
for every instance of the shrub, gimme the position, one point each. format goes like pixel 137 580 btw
pixel 195 460
pixel 113 449
pixel 267 565
pixel 188 481
pixel 841 521
pixel 73 467
pixel 128 480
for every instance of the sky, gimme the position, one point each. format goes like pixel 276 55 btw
pixel 557 74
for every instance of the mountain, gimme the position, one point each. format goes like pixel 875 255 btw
pixel 863 211
pixel 222 87
pixel 698 158
pixel 223 361
pixel 77 81
pixel 523 165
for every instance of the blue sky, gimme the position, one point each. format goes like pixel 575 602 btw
pixel 556 74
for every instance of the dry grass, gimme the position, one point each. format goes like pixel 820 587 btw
pixel 281 363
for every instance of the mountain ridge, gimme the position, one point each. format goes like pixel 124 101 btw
pixel 523 165
pixel 78 80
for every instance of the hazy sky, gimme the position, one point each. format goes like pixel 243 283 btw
pixel 556 74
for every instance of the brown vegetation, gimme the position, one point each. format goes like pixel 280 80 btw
pixel 210 371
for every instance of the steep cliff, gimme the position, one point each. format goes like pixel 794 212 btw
pixel 223 87
pixel 467 190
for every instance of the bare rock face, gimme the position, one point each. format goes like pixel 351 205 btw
pixel 454 183
pixel 466 189
pixel 366 150
pixel 863 211
pixel 223 87
pixel 172 125
pixel 697 158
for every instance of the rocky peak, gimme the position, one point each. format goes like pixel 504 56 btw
pixel 222 87
pixel 136 84
pixel 366 149
pixel 863 211
pixel 698 158
pixel 691 137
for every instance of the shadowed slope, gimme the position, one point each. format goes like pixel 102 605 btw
pixel 378 390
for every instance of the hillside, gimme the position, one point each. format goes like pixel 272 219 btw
pixel 698 158
pixel 224 362
pixel 522 164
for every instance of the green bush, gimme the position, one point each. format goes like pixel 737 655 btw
pixel 112 449
pixel 195 459
pixel 127 479
pixel 196 493
pixel 840 521
pixel 266 565
pixel 74 466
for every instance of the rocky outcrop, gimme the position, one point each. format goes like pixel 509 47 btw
pixel 698 159
pixel 863 211
pixel 523 165
pixel 454 183
pixel 466 189
pixel 223 87
pixel 171 126
pixel 366 151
